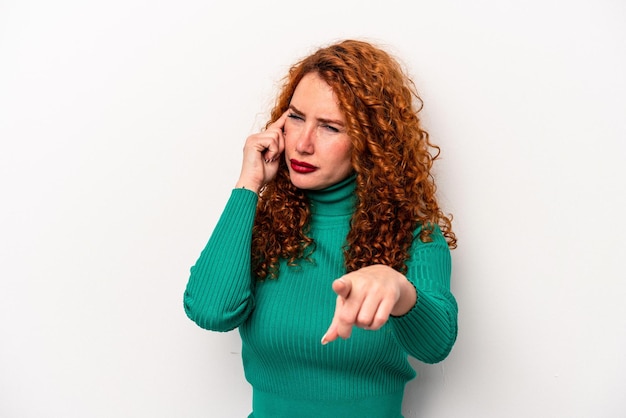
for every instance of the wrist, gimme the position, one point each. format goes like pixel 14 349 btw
pixel 241 184
pixel 407 299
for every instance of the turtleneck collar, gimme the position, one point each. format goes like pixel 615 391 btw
pixel 336 200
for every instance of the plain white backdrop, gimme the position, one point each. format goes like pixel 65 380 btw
pixel 121 127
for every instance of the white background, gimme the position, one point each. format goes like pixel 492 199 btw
pixel 121 126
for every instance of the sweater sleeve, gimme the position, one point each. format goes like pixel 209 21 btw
pixel 219 295
pixel 428 331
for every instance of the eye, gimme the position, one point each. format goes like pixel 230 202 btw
pixel 330 128
pixel 295 116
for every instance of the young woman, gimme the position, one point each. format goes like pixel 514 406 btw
pixel 332 255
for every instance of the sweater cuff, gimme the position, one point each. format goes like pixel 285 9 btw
pixel 432 322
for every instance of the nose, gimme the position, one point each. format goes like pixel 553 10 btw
pixel 305 140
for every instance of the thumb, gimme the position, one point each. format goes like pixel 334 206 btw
pixel 342 287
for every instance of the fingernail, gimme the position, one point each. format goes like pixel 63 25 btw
pixel 324 342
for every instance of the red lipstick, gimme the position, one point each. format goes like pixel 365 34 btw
pixel 302 167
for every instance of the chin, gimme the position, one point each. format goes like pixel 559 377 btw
pixel 304 184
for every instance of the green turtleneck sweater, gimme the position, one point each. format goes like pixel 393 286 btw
pixel 282 321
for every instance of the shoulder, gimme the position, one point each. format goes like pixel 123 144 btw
pixel 435 236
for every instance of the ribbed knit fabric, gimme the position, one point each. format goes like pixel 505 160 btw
pixel 282 321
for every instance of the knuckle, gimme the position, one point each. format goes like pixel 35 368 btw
pixel 364 320
pixel 346 316
pixel 379 320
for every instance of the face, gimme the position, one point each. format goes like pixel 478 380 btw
pixel 317 147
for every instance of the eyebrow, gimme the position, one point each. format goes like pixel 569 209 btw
pixel 323 120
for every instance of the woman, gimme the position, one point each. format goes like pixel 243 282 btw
pixel 333 231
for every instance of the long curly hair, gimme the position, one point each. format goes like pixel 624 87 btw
pixel 392 157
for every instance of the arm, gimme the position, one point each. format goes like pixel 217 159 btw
pixel 419 306
pixel 219 291
pixel 429 329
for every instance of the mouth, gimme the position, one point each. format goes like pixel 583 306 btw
pixel 301 166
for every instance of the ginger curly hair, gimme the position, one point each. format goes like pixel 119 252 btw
pixel 392 157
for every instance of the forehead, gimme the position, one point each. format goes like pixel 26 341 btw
pixel 314 95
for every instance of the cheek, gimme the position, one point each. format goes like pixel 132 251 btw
pixel 344 154
pixel 290 133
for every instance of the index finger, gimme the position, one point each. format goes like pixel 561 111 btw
pixel 280 122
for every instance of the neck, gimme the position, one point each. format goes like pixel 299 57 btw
pixel 336 200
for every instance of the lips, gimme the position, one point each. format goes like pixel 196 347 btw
pixel 302 167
